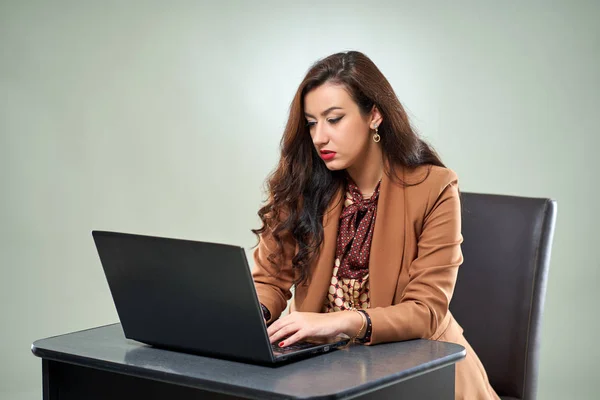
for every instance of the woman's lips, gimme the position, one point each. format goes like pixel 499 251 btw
pixel 327 155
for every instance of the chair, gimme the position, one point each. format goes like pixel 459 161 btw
pixel 501 286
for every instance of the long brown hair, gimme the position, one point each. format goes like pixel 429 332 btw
pixel 301 187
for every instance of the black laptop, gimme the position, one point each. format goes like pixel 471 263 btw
pixel 192 296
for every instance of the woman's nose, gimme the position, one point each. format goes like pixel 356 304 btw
pixel 319 135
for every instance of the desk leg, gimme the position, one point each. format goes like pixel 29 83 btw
pixel 435 385
pixel 48 386
pixel 62 381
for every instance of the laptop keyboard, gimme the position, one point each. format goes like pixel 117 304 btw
pixel 288 349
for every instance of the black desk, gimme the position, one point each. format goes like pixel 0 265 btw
pixel 100 363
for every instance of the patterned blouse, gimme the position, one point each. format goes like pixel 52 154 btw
pixel 349 287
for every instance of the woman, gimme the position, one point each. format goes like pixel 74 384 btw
pixel 363 219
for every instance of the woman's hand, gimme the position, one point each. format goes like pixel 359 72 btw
pixel 300 325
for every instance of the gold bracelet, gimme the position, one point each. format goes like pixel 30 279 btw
pixel 364 323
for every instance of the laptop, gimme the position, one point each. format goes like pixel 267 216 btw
pixel 194 297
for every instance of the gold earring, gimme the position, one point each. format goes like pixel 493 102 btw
pixel 376 137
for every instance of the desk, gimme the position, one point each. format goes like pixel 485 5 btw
pixel 100 363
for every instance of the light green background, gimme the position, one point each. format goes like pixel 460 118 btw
pixel 164 117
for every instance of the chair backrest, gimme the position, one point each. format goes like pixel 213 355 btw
pixel 499 295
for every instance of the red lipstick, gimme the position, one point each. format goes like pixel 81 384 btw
pixel 327 155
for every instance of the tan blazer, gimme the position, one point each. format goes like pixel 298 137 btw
pixel 413 264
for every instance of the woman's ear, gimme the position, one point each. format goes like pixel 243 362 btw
pixel 376 117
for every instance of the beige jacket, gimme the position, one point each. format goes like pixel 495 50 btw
pixel 414 260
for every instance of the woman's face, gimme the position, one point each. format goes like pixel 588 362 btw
pixel 340 133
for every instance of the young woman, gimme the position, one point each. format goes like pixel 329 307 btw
pixel 363 219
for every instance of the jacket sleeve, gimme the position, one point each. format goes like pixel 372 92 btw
pixel 273 283
pixel 432 275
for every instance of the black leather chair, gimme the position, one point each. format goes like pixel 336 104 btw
pixel 499 295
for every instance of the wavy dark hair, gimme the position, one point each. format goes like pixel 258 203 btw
pixel 301 188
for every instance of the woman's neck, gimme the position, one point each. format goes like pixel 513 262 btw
pixel 368 170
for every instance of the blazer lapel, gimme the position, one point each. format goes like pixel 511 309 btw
pixel 387 247
pixel 323 269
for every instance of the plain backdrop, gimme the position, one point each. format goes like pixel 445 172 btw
pixel 164 118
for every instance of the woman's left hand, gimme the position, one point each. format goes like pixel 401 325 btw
pixel 300 325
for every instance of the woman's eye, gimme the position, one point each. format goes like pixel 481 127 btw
pixel 335 120
pixel 310 124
